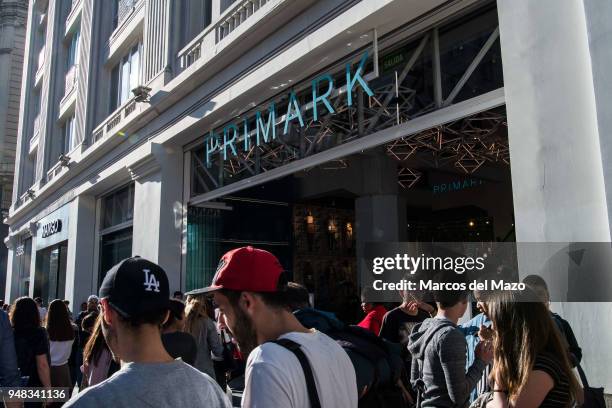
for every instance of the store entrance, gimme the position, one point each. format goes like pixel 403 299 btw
pixel 50 275
pixel 447 184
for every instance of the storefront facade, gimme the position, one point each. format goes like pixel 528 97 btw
pixel 346 122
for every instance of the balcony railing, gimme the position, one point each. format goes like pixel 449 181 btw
pixel 124 9
pixel 54 171
pixel 107 127
pixel 236 16
pixel 71 79
pixel 240 12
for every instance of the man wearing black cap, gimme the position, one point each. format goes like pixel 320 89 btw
pixel 288 365
pixel 134 300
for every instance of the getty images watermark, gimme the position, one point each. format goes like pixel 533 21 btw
pixel 412 265
pixel 573 271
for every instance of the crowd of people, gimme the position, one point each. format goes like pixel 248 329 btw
pixel 253 338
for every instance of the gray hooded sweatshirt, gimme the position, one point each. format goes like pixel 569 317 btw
pixel 438 350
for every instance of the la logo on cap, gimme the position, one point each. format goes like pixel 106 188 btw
pixel 151 284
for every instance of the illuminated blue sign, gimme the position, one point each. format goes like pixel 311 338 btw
pixel 456 185
pixel 226 144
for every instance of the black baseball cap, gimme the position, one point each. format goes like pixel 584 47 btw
pixel 135 287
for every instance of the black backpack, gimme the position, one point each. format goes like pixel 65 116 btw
pixel 382 380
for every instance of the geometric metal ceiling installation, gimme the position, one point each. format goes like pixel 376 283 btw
pixel 466 145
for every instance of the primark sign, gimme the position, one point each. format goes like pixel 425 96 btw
pixel 229 142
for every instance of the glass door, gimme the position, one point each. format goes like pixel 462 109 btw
pixel 50 276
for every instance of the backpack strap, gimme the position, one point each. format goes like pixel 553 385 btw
pixel 583 378
pixel 311 387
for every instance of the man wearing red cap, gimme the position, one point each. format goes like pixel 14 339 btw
pixel 288 365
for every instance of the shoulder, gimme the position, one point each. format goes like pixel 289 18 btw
pixel 450 335
pixel 94 396
pixel 196 375
pixel 210 324
pixel 549 364
pixel 269 354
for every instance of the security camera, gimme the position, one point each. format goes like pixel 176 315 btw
pixel 141 93
pixel 64 160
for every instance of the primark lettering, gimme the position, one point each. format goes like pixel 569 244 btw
pixel 51 228
pixel 227 144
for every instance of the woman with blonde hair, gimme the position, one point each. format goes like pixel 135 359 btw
pixel 204 331
pixel 530 363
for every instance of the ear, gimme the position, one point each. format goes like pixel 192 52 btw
pixel 108 314
pixel 248 302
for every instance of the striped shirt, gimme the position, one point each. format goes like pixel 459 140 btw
pixel 559 396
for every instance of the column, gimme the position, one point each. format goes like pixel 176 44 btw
pixel 158 215
pixel 598 15
pixel 555 135
pixel 81 278
pixel 377 207
pixel 11 279
pixel 27 79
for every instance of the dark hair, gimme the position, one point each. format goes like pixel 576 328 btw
pixel 155 317
pixel 38 300
pixel 297 296
pixel 177 310
pixel 276 300
pixel 178 293
pixel 368 293
pixel 96 343
pixel 89 321
pixel 66 302
pixel 449 298
pixel 538 285
pixel 58 322
pixel 25 314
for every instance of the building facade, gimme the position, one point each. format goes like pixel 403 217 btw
pixel 176 130
pixel 13 17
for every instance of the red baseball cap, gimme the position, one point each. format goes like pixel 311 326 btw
pixel 245 269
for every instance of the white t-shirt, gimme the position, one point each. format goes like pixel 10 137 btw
pixel 60 352
pixel 274 376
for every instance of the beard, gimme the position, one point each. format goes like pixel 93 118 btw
pixel 244 332
pixel 110 335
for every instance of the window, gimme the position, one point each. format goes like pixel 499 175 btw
pixel 73 49
pixel 196 15
pixel 118 207
pixel 68 138
pixel 125 77
pixel 116 228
